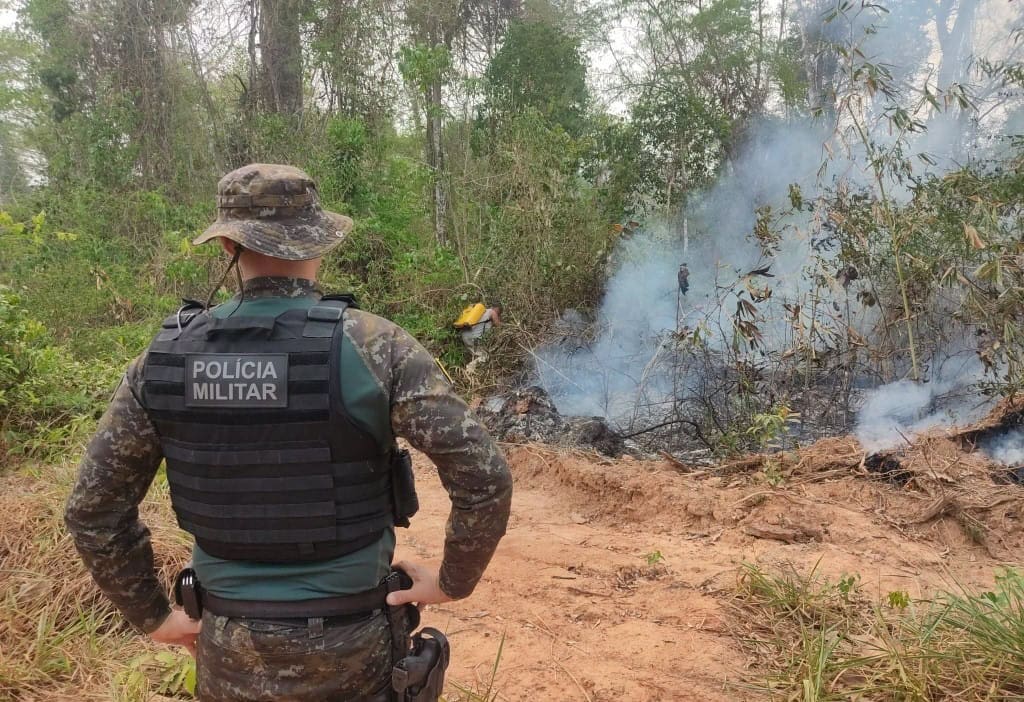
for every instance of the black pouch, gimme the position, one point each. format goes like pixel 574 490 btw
pixel 419 677
pixel 188 595
pixel 403 487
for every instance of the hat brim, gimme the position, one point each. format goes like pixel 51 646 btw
pixel 291 240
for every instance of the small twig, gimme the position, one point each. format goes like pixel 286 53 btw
pixel 751 496
pixel 1000 501
pixel 572 677
pixel 589 593
pixel 819 477
pixel 652 428
pixel 940 506
pixel 673 460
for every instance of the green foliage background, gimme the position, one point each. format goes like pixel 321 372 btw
pixel 115 132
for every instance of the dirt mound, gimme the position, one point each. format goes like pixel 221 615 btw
pixel 932 487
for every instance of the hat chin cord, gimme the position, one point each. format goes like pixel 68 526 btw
pixel 238 273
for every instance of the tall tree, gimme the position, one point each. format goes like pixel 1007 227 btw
pixel 18 99
pixel 442 31
pixel 120 91
pixel 280 41
pixel 539 67
pixel 954 27
pixel 707 68
pixel 434 25
pixel 352 52
pixel 818 63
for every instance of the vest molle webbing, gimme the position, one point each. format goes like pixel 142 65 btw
pixel 263 460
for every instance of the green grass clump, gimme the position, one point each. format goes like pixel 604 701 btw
pixel 821 641
pixel 484 690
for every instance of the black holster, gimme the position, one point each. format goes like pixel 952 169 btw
pixel 420 660
pixel 419 677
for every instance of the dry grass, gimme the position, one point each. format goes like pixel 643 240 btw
pixel 59 638
pixel 821 641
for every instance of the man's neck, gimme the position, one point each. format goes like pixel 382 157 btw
pixel 279 286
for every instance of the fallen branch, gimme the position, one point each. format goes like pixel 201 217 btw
pixel 696 430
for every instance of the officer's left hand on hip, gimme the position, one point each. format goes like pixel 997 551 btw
pixel 178 629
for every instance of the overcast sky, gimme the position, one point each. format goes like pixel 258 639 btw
pixel 608 51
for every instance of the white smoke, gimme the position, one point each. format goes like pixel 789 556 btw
pixel 897 412
pixel 1007 449
pixel 642 306
pixel 622 371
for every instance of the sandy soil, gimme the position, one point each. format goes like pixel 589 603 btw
pixel 585 616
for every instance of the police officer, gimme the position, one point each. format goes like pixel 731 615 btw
pixel 277 414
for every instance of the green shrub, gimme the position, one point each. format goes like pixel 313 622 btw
pixel 528 230
pixel 91 287
pixel 47 398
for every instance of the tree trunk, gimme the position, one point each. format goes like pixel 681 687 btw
pixel 216 134
pixel 955 41
pixel 956 46
pixel 758 77
pixel 281 55
pixel 250 98
pixel 436 160
pixel 142 74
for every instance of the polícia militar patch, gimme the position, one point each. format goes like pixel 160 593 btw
pixel 236 380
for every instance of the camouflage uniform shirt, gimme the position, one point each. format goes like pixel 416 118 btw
pixel 124 455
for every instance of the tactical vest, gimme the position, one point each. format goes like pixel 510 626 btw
pixel 264 462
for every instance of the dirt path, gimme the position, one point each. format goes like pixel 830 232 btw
pixel 587 614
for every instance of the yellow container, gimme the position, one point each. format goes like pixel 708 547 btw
pixel 470 316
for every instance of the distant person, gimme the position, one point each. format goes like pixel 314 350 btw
pixel 475 322
pixel 684 279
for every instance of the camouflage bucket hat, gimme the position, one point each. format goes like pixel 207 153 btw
pixel 275 210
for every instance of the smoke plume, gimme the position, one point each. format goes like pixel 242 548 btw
pixel 896 412
pixel 624 365
pixel 1007 449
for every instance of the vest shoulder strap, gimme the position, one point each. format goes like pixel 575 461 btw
pixel 323 318
pixel 229 324
pixel 348 298
pixel 176 323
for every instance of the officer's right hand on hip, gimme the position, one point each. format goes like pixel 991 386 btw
pixel 178 629
pixel 426 588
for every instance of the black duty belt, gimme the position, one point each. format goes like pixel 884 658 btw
pixel 359 603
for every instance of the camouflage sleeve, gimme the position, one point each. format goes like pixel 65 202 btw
pixel 102 512
pixel 427 412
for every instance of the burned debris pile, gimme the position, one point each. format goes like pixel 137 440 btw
pixel 529 415
pixel 887 466
pixel 1001 437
